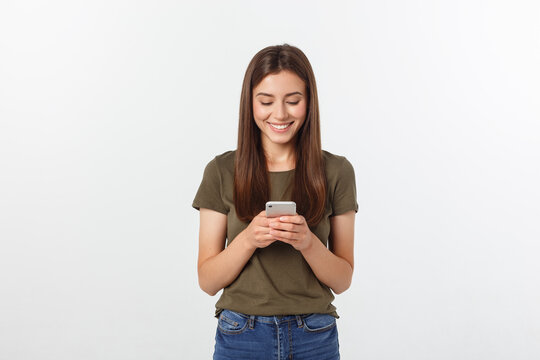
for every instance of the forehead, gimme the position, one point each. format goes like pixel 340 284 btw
pixel 281 83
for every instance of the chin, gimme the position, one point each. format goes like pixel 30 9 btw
pixel 281 140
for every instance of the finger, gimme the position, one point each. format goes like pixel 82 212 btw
pixel 283 226
pixel 295 219
pixel 285 240
pixel 261 232
pixel 271 219
pixel 283 234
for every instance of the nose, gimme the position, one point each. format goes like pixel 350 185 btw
pixel 280 112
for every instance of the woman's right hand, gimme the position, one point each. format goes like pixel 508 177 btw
pixel 257 234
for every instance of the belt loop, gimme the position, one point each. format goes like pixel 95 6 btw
pixel 251 321
pixel 299 321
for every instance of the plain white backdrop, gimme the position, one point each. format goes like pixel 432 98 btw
pixel 109 111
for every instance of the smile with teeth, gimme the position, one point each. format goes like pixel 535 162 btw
pixel 281 127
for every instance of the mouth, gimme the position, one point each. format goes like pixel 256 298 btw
pixel 280 127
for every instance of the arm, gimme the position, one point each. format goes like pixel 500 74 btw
pixel 334 266
pixel 217 265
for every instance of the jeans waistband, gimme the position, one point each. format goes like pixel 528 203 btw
pixel 276 319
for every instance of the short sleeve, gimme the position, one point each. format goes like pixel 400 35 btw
pixel 209 194
pixel 345 190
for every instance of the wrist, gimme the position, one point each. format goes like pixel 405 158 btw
pixel 311 244
pixel 244 241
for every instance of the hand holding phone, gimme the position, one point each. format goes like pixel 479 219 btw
pixel 293 230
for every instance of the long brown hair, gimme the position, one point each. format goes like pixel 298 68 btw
pixel 251 183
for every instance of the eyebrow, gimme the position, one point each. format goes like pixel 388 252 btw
pixel 289 94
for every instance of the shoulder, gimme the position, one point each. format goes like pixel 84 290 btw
pixel 341 183
pixel 222 163
pixel 214 185
pixel 336 165
pixel 226 159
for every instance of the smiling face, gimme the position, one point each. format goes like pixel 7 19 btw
pixel 279 107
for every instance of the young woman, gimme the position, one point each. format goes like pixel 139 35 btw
pixel 277 274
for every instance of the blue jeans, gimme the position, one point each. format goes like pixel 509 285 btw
pixel 310 336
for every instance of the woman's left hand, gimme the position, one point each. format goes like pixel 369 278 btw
pixel 292 230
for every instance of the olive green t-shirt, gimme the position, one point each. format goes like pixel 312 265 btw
pixel 276 280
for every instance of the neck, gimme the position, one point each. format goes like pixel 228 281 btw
pixel 279 157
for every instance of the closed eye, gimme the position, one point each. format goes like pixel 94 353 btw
pixel 290 103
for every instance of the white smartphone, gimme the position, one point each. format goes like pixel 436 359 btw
pixel 280 208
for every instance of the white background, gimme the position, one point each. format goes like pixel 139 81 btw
pixel 109 111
